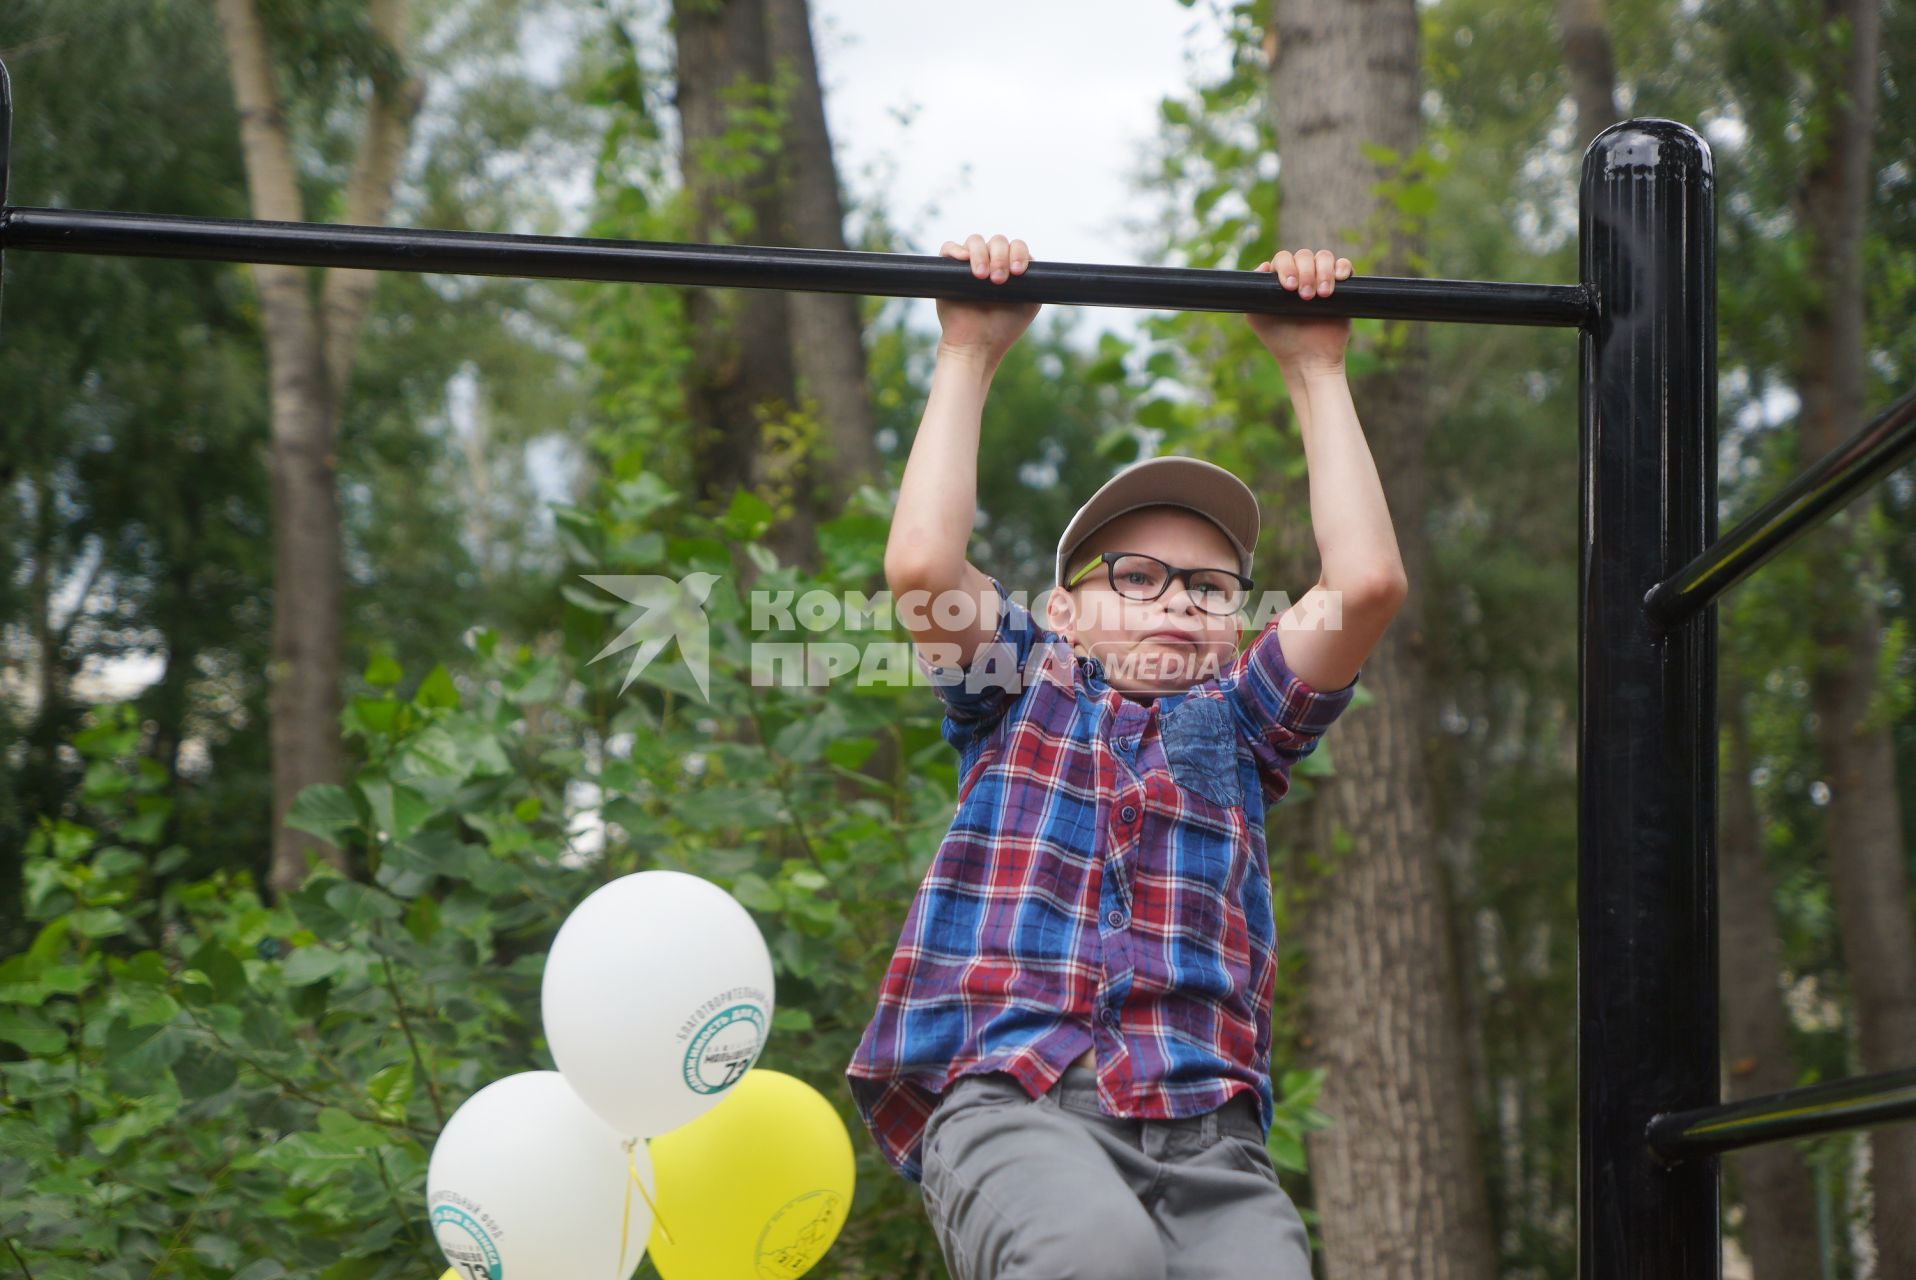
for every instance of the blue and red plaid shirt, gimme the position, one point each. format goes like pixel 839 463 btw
pixel 1104 884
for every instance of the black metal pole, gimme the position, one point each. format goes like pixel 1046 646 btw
pixel 1646 748
pixel 6 132
pixel 766 267
pixel 1885 443
pixel 1795 1113
pixel 6 159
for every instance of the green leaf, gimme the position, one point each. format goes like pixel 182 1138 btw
pixel 154 1109
pixel 527 810
pixel 324 810
pixel 32 1031
pixel 311 964
pixel 435 753
pixel 399 810
pixel 1317 764
pixel 753 892
pixel 97 922
pixel 536 682
pixel 437 689
pixel 1286 1153
pixel 373 717
pixel 360 905
pixel 383 672
pixel 791 1020
pixel 1379 154
pixel 850 753
pixel 390 1089
pixel 149 825
pixel 221 969
pixel 145 1007
pixel 139 1055
pixel 29 979
pixel 806 738
pixel 748 517
pixel 591 601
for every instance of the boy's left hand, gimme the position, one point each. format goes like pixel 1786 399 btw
pixel 1300 344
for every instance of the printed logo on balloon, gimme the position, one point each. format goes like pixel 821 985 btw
pixel 465 1243
pixel 726 1047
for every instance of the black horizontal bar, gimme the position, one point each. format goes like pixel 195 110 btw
pixel 1888 441
pixel 1795 1113
pixel 757 267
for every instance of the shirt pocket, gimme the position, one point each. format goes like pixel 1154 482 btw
pixel 1200 746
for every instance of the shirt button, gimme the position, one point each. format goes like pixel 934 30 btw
pixel 1115 919
pixel 1109 1017
pixel 1128 814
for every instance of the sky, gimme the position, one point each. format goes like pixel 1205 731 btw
pixel 1021 118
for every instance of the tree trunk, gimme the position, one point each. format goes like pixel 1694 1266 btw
pixel 829 350
pixel 829 345
pixel 1867 869
pixel 743 387
pixel 1779 1204
pixel 1593 69
pixel 1398 1182
pixel 309 352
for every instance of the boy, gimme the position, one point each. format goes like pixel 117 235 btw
pixel 1070 1053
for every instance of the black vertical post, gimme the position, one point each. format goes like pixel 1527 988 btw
pixel 6 159
pixel 1646 749
pixel 6 130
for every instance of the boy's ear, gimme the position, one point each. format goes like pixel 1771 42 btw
pixel 1059 612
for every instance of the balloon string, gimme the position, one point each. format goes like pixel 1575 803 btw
pixel 625 1223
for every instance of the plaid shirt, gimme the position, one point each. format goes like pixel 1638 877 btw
pixel 1104 883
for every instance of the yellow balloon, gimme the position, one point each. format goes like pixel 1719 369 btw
pixel 450 1275
pixel 756 1188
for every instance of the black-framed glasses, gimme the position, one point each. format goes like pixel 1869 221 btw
pixel 1136 576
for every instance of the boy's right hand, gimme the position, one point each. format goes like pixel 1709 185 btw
pixel 985 329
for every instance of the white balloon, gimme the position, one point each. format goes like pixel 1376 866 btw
pixel 657 999
pixel 526 1183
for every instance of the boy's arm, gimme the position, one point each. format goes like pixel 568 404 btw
pixel 938 494
pixel 1331 630
pixel 931 526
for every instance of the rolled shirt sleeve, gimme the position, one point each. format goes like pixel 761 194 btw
pixel 1281 717
pixel 975 698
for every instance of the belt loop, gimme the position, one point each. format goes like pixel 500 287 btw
pixel 1207 1134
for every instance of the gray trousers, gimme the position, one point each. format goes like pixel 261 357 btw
pixel 1051 1189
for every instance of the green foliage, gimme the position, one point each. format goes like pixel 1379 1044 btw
pixel 219 1087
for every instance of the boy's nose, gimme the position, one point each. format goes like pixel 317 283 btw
pixel 1178 596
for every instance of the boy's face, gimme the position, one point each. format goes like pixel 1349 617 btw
pixel 1119 630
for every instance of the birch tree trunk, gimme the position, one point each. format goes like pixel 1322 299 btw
pixel 1779 1204
pixel 1867 868
pixel 309 346
pixel 1397 1179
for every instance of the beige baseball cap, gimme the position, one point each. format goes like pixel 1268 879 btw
pixel 1192 483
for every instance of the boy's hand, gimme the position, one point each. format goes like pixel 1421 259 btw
pixel 1301 345
pixel 986 329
